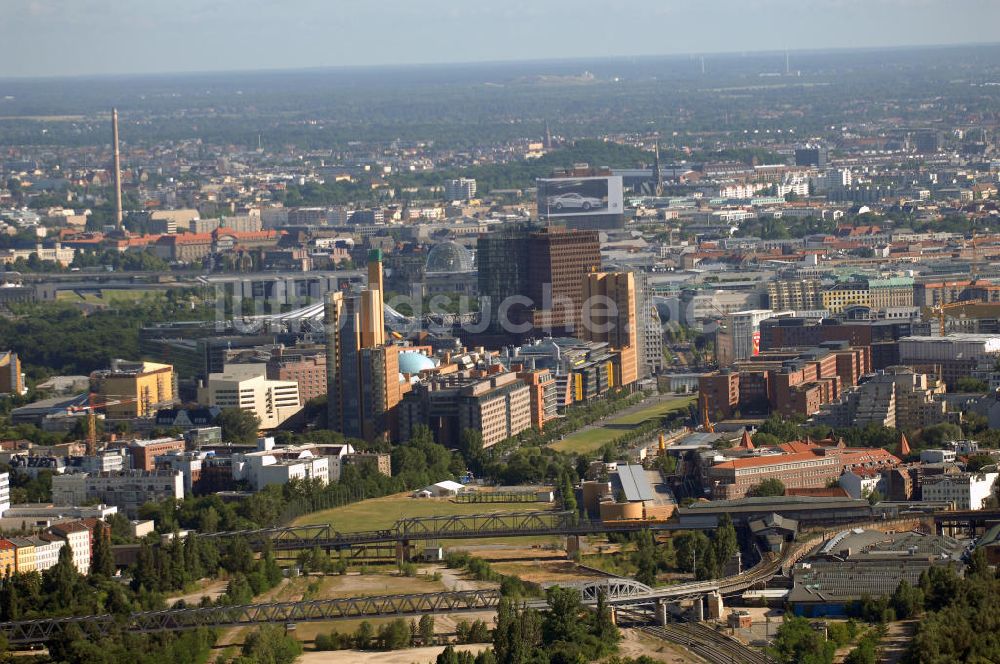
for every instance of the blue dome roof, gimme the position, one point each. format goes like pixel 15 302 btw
pixel 412 362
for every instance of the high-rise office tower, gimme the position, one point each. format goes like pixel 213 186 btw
pixel 502 263
pixel 362 371
pixel 546 267
pixel 609 315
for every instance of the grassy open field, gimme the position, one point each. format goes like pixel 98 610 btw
pixel 379 513
pixel 108 296
pixel 593 439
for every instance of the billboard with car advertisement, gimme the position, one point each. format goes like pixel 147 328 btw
pixel 565 197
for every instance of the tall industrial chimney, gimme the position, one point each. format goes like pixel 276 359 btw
pixel 118 170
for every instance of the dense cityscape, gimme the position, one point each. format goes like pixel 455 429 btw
pixel 663 359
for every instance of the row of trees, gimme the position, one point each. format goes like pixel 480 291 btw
pixel 63 591
pixel 690 551
pixel 391 636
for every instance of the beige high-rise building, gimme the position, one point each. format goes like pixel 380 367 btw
pixel 609 315
pixel 362 370
pixel 246 386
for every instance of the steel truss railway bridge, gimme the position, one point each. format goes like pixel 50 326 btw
pixel 401 536
pixel 621 594
pixel 618 592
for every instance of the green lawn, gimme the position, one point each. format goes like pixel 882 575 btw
pixel 379 513
pixel 591 440
pixel 108 296
pixel 656 410
pixel 587 441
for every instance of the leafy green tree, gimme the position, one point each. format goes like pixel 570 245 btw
pixel 568 493
pixel 796 642
pixel 695 553
pixel 471 448
pixel 724 539
pixel 772 486
pixel 61 582
pixel 395 635
pixel 269 645
pixel 968 384
pixel 447 656
pixel 938 434
pixel 103 558
pixel 363 635
pixel 562 620
pixel 645 558
pixel 604 626
pixel 425 630
pixel 238 426
pixel 979 461
pixel 517 634
pixel 907 601
pixel 864 653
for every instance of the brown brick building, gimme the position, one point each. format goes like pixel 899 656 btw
pixel 787 382
pixel 305 367
pixel 800 465
pixel 144 452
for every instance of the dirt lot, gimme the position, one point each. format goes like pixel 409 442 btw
pixel 408 656
pixel 634 644
pixel 355 585
pixel 546 571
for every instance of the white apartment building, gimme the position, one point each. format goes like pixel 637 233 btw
pixel 127 490
pixel 279 466
pixel 77 537
pixel 860 483
pixel 46 552
pixel 246 386
pixel 4 492
pixel 968 491
pixel 938 456
pixel 461 189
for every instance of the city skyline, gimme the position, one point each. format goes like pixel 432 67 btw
pixel 108 37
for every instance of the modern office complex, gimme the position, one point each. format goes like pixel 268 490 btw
pixel 493 402
pixel 246 386
pixel 533 279
pixel 609 315
pixel 362 368
pixel 135 389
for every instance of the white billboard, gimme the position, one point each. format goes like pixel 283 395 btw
pixel 569 197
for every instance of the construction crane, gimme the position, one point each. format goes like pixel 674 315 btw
pixel 940 309
pixel 705 421
pixel 95 401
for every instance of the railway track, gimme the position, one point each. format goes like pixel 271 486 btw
pixel 708 644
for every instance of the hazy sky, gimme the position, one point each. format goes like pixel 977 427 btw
pixel 69 37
